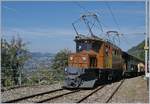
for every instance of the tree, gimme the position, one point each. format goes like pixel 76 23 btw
pixel 13 55
pixel 59 62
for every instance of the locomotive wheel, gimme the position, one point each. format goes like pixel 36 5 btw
pixel 110 77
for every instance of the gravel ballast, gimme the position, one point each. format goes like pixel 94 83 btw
pixel 133 90
pixel 26 91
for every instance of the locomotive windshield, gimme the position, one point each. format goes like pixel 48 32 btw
pixel 80 46
pixel 83 46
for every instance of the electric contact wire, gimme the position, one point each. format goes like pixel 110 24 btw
pixel 115 21
pixel 112 14
pixel 77 3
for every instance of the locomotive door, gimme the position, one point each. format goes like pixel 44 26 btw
pixel 93 62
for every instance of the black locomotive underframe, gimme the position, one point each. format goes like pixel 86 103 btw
pixel 75 77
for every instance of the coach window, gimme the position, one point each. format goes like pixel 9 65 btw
pixel 113 52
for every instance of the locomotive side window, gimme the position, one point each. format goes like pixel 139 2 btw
pixel 106 50
pixel 116 52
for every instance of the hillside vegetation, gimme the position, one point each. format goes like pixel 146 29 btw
pixel 19 66
pixel 138 51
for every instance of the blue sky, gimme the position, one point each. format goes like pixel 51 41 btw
pixel 47 25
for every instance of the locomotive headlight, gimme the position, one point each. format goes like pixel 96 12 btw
pixel 65 69
pixel 84 58
pixel 71 58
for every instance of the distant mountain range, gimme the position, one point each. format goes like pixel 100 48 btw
pixel 39 54
pixel 38 60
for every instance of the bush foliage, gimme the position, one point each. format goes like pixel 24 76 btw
pixel 13 56
pixel 59 63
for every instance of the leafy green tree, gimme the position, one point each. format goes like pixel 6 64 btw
pixel 13 55
pixel 41 76
pixel 59 62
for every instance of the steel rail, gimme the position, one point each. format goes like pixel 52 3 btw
pixel 57 96
pixel 79 101
pixel 31 96
pixel 113 93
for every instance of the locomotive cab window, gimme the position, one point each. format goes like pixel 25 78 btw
pixel 96 46
pixel 80 46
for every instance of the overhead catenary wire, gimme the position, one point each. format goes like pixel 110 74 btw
pixel 115 21
pixel 113 16
pixel 100 23
pixel 95 17
pixel 78 4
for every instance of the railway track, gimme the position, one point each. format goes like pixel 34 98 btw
pixel 113 93
pixel 57 96
pixel 85 97
pixel 31 96
pixel 54 95
pixel 104 97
